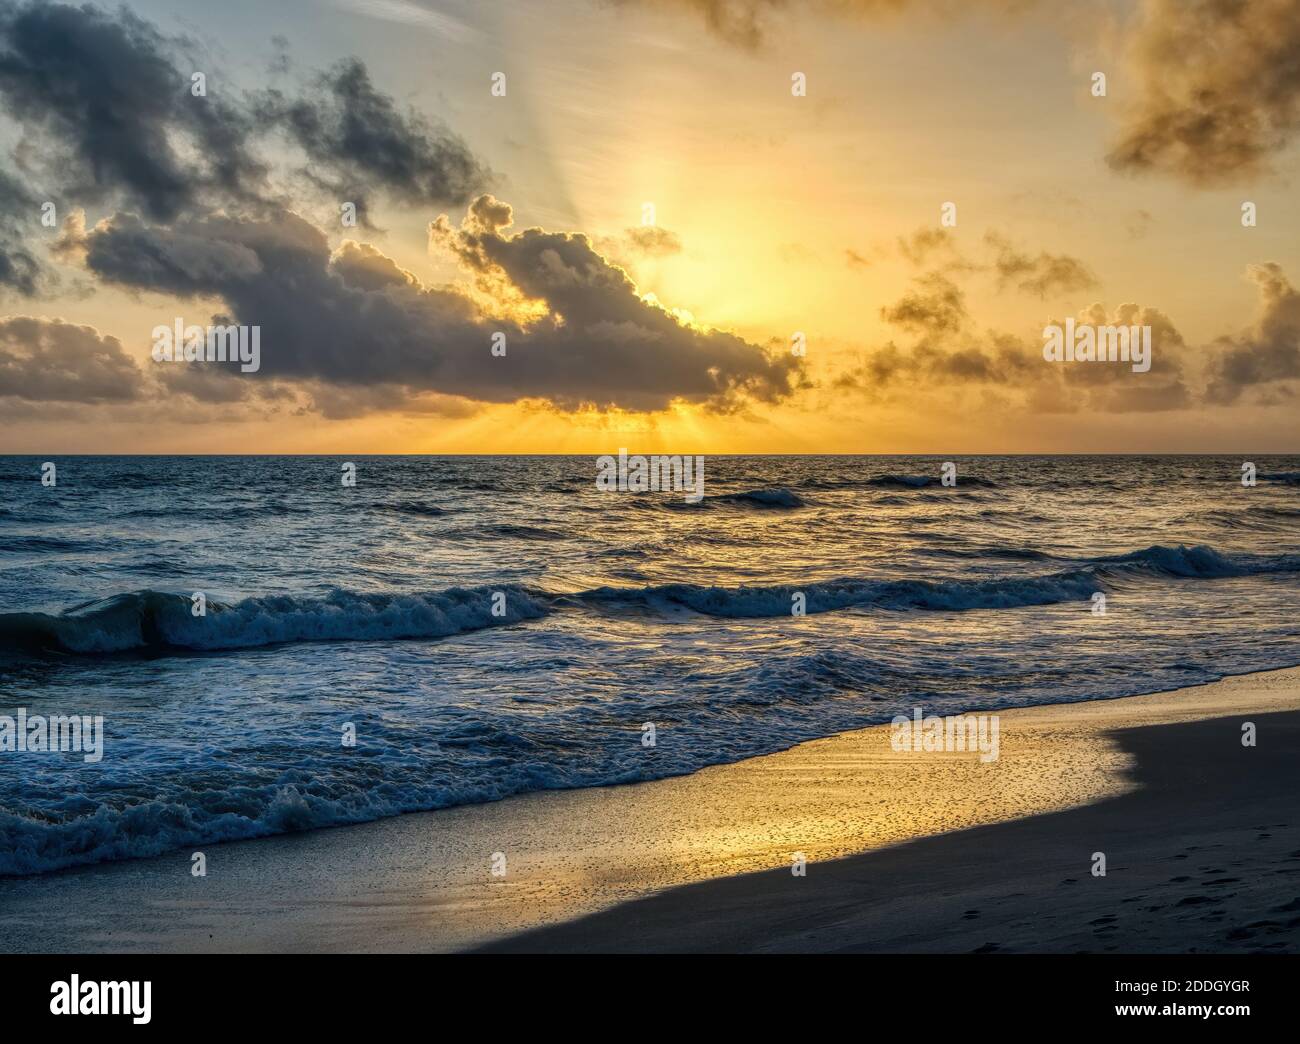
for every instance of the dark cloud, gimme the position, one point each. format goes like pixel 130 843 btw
pixel 335 403
pixel 105 102
pixel 600 334
pixel 1269 351
pixel 192 257
pixel 363 267
pixel 20 270
pixel 106 98
pixel 209 383
pixel 48 360
pixel 356 138
pixel 1220 88
pixel 115 117
pixel 353 319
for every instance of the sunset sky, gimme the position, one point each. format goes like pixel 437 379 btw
pixel 773 214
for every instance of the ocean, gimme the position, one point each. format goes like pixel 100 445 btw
pixel 454 630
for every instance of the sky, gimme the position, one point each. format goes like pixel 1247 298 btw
pixel 683 226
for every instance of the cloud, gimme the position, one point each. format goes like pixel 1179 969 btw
pixel 653 241
pixel 1041 274
pixel 948 352
pixel 335 403
pixel 1038 274
pixel 749 23
pixel 356 138
pixel 1219 89
pixel 1217 82
pixel 49 360
pixel 190 258
pixel 20 270
pixel 1115 388
pixel 927 241
pixel 1269 351
pixel 936 307
pixel 105 108
pixel 108 100
pixel 116 118
pixel 634 245
pixel 353 319
pixel 363 267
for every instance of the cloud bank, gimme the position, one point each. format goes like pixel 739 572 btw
pixel 351 317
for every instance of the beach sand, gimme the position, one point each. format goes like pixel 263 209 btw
pixel 1201 837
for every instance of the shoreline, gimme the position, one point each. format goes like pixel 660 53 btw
pixel 1025 885
pixel 646 865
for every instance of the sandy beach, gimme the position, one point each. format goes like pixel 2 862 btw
pixel 914 851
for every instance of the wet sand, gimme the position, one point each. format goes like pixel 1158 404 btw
pixel 1200 836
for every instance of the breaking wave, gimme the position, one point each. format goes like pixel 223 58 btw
pixel 157 620
pixel 778 497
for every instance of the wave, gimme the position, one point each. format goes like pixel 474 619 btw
pixel 412 507
pixel 144 620
pixel 503 531
pixel 1079 583
pixel 153 620
pixel 925 482
pixel 266 509
pixel 777 497
pixel 1018 553
pixel 154 827
pixel 1255 517
pixel 46 545
pixel 846 593
pixel 1197 562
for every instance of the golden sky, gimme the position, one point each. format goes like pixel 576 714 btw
pixel 773 214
